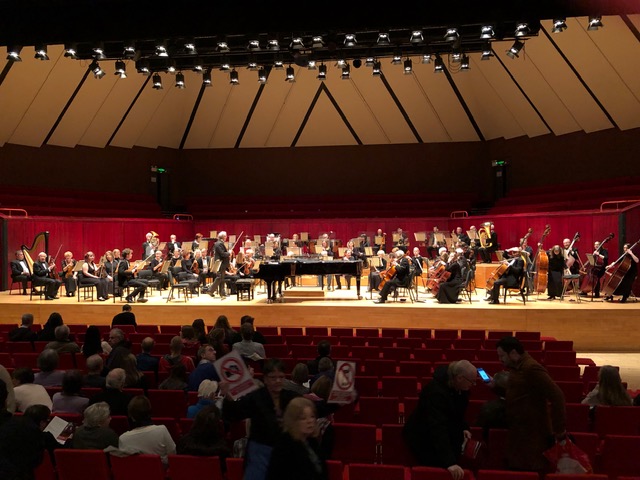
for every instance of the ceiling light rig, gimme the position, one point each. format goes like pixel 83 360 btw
pixel 559 25
pixel 595 23
pixel 514 51
pixel 157 82
pixel 41 52
pixel 121 69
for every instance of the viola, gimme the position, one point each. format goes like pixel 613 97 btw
pixel 195 267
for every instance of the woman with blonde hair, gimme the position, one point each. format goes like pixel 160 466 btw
pixel 609 390
pixel 296 456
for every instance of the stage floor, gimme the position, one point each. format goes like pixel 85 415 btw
pixel 592 325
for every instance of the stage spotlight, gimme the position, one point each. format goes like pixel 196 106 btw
pixel 322 72
pixel 233 77
pixel 317 42
pixel 595 23
pixel 71 51
pixel 452 35
pixel 426 58
pixel 346 72
pixel 41 52
pixel 129 51
pixel 377 69
pixel 350 40
pixel 262 76
pixel 438 65
pixel 514 51
pixel 297 43
pixel 278 64
pixel 383 40
pixel 121 69
pixel 559 25
pixel 464 63
pixel 97 70
pixel 98 53
pixel 273 45
pixel 487 32
pixel 312 65
pixel 157 82
pixel 206 78
pixel 369 61
pixel 190 47
pixel 408 66
pixel 522 29
pixel 180 80
pixel 223 47
pixel 416 37
pixel 487 53
pixel 397 58
pixel 254 45
pixel 225 65
pixel 13 53
pixel 290 75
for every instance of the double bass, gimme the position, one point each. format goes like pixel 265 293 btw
pixel 541 264
pixel 591 271
pixel 614 275
pixel 570 259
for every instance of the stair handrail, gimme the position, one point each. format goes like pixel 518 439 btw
pixel 634 202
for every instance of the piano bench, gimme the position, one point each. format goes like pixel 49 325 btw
pixel 244 289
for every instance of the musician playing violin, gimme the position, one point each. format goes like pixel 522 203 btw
pixel 626 284
pixel 127 278
pixel 67 275
pixel 155 266
pixel 403 269
pixel 91 275
pixel 187 271
pixel 512 277
pixel 42 275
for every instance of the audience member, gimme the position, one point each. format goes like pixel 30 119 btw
pixel 93 342
pixel 188 336
pixel 145 437
pixel 493 413
pixel 95 434
pixel 134 378
pixel 324 350
pixel 299 376
pixel 11 396
pixel 247 348
pixel 319 395
pixel 326 368
pixel 223 323
pixel 535 408
pixel 206 437
pixel 216 340
pixel 436 429
pixel 146 361
pixel 117 400
pixel 175 356
pixel 48 332
pixel 126 317
pixel 264 407
pixel 62 343
pixel 49 376
pixel 26 392
pixel 207 392
pixel 5 414
pixel 69 399
pixel 120 349
pixel 200 329
pixel 609 390
pixel 257 336
pixel 206 354
pixel 23 333
pixel 296 455
pixel 205 369
pixel 94 378
pixel 177 379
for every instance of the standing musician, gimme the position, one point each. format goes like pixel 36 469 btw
pixel 91 275
pixel 173 244
pixel 67 275
pixel 127 278
pixel 224 256
pixel 434 244
pixel 485 252
pixel 374 273
pixel 20 270
pixel 403 268
pixel 602 257
pixel 196 242
pixel 512 277
pixel 156 265
pixel 575 266
pixel 626 285
pixel 147 247
pixel 42 275
pixel 556 270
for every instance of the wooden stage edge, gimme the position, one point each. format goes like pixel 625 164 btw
pixel 593 326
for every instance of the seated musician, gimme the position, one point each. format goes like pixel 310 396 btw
pixel 485 252
pixel 403 240
pixel 43 273
pixel 374 273
pixel 175 266
pixel 20 272
pixel 379 237
pixel 187 273
pixel 245 267
pixel 91 274
pixel 418 261
pixel 434 244
pixel 127 277
pixel 67 275
pixel 403 268
pixel 117 256
pixel 348 257
pixel 156 268
pixel 462 236
pixel 449 289
pixel 173 244
pixel 327 251
pixel 205 272
pixel 512 278
pixel 626 284
pixel 196 242
pixel 231 277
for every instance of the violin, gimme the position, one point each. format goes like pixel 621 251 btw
pixel 68 269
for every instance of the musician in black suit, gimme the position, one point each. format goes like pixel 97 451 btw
pixel 196 243
pixel 224 256
pixel 418 261
pixel 42 272
pixel 403 269
pixel 626 284
pixel 147 247
pixel 20 270
pixel 126 278
pixel 463 237
pixel 512 277
pixel 374 273
pixel 156 268
pixel 492 241
pixel 601 256
pixel 173 244
pixel 434 244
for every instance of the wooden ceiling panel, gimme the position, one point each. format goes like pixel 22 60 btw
pixel 325 128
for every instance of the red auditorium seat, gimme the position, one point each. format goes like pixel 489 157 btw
pixel 367 386
pixel 367 332
pixel 558 345
pixel 168 403
pixel 498 334
pixel 497 443
pixel 235 468
pixel 316 331
pixel 74 464
pixel 473 334
pixel 274 339
pixel 188 467
pixel 286 331
pixel 353 342
pixel 135 467
pixel 588 443
pixel 441 343
pixel 359 471
pixel 335 469
pixel 577 417
pixel 6 360
pixel 523 336
pixel 410 404
pixel 147 330
pixel 617 421
pixel 576 476
pixel 119 424
pixel 392 332
pixel 573 391
pixel 473 410
pixel 460 354
pixel 45 471
pixel 394 449
pixel 564 373
pixel 346 414
pixel 366 354
pixel 559 357
pixel 434 473
pixel 504 475
pixel 381 342
pixel 298 339
pixel 619 455
pixel 397 386
pixel 428 355
pixel 415 368
pixel 468 344
pixel 171 424
pixel 19 347
pixel 303 351
pixel 421 333
pixel 412 343
pixel 341 332
pixel 378 410
pixel 276 351
pixel 354 443
pixel 25 360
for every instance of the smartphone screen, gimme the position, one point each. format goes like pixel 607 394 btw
pixel 483 375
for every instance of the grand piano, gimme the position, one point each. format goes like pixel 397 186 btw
pixel 277 271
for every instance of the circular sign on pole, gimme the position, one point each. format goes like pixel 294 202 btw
pixel 231 370
pixel 345 377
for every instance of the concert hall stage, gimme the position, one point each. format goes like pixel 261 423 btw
pixel 594 326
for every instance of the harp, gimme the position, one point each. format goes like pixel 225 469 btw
pixel 40 244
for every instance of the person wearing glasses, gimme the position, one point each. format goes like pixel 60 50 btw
pixel 436 429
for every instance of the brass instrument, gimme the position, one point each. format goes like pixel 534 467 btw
pixel 484 235
pixel 155 239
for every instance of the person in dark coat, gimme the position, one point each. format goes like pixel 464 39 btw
pixel 449 289
pixel 125 317
pixel 48 332
pixel 24 333
pixel 436 429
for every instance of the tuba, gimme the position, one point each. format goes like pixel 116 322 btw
pixel 484 235
pixel 155 239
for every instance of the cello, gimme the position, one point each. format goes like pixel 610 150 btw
pixel 591 277
pixel 541 264
pixel 616 272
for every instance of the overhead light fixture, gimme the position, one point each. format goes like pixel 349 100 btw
pixel 317 42
pixel 223 47
pixel 13 53
pixel 452 35
pixel 180 80
pixel 278 64
pixel 161 50
pixel 350 40
pixel 297 43
pixel 312 65
pixel 397 58
pixel 426 58
pixel 369 61
pixel 253 63
pixel 71 51
pixel 346 72
pixel 595 23
pixel 273 45
pixel 121 69
pixel 98 53
pixel 514 51
pixel 408 66
pixel 377 69
pixel 522 29
pixel 487 52
pixel 383 40
pixel 198 68
pixel 233 77
pixel 254 45
pixel 96 70
pixel 486 32
pixel 190 48
pixel 225 65
pixel 290 75
pixel 262 76
pixel 438 65
pixel 142 66
pixel 41 52
pixel 464 63
pixel 559 25
pixel 341 62
pixel 129 51
pixel 416 37
pixel 157 82
pixel 322 72
pixel 206 78
pixel 171 68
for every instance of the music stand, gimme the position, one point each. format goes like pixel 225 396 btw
pixel 378 239
pixel 297 251
pixel 500 255
pixel 396 238
pixel 187 247
pixel 213 234
pixel 421 237
pixel 256 239
pixel 368 251
pixel 341 251
pixel 204 244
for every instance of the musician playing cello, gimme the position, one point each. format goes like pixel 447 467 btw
pixel 626 284
pixel 402 268
pixel 512 277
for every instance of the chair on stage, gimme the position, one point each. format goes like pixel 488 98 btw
pixel 407 287
pixel 86 291
pixel 468 285
pixel 522 281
